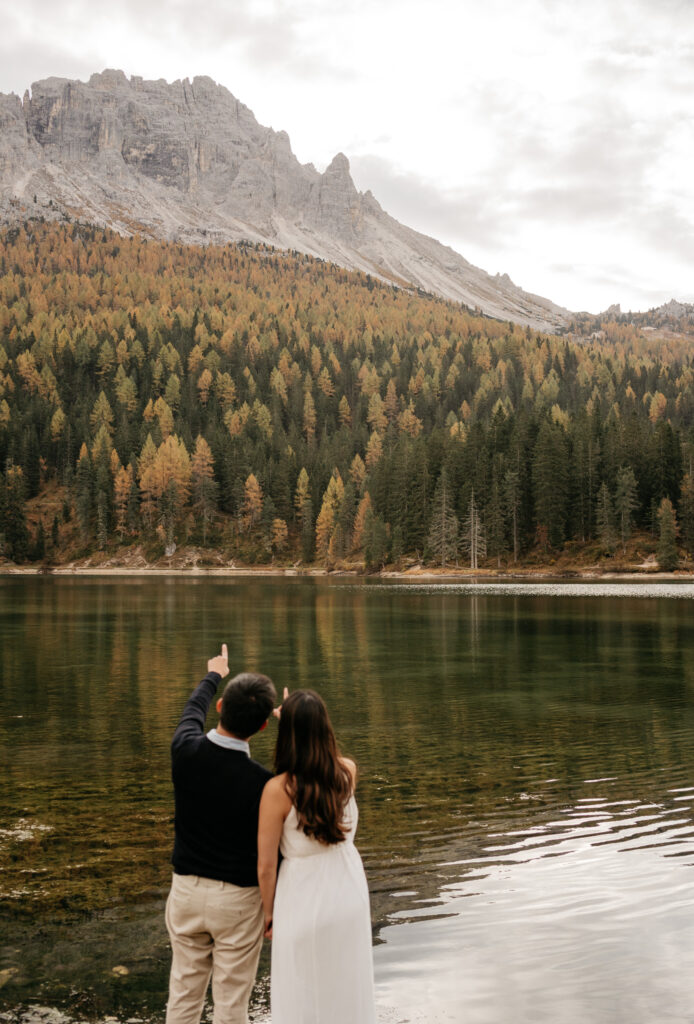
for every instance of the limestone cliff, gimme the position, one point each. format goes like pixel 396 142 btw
pixel 188 161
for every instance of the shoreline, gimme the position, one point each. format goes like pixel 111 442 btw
pixel 415 575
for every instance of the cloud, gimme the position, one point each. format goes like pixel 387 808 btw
pixel 270 36
pixel 523 134
pixel 426 206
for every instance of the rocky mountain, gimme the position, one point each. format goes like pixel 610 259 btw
pixel 188 161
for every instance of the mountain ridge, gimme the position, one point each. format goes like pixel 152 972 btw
pixel 187 161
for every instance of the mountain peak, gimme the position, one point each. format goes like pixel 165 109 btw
pixel 188 161
pixel 339 165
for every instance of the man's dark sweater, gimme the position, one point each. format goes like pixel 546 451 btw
pixel 217 793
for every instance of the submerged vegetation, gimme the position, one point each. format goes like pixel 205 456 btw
pixel 268 405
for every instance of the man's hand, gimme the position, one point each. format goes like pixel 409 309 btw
pixel 267 933
pixel 220 664
pixel 278 711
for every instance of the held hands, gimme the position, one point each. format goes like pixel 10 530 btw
pixel 277 712
pixel 267 934
pixel 220 664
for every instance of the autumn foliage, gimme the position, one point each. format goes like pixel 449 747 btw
pixel 280 407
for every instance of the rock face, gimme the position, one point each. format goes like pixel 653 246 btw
pixel 188 161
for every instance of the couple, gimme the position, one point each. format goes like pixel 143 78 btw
pixel 233 819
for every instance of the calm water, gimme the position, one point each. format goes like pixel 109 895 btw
pixel 526 790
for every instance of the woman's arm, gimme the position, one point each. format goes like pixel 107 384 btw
pixel 274 808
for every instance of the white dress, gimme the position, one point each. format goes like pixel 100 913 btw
pixel 322 966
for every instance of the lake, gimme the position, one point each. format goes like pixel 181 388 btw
pixel 526 757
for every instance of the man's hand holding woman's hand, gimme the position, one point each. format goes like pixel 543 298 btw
pixel 267 934
pixel 220 664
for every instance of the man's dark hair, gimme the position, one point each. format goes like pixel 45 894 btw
pixel 247 702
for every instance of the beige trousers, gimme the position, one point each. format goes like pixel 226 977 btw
pixel 215 929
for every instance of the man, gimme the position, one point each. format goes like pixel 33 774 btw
pixel 214 913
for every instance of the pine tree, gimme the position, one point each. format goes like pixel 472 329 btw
pixel 341 540
pixel 626 502
pixel 550 481
pixel 279 536
pixel 604 519
pixel 473 540
pixel 328 516
pixel 375 541
pixel 309 418
pixel 397 547
pixel 101 519
pixel 84 488
pixel 121 495
pixel 496 523
pixel 687 513
pixel 39 551
pixel 667 540
pixel 301 494
pixel 307 531
pixel 13 524
pixel 512 498
pixel 204 488
pixel 360 522
pixel 252 509
pixel 443 529
pixel 147 480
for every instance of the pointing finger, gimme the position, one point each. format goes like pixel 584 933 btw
pixel 225 653
pixel 286 693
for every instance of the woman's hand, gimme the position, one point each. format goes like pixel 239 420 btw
pixel 267 933
pixel 278 711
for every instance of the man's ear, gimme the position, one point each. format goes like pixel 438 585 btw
pixel 263 726
pixel 219 706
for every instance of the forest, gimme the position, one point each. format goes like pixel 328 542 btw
pixel 272 407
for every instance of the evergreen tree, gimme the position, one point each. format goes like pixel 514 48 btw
pixel 204 488
pixel 375 541
pixel 667 540
pixel 687 513
pixel 550 481
pixel 496 525
pixel 473 539
pixel 626 501
pixel 397 547
pixel 32 463
pixel 84 487
pixel 14 524
pixel 442 541
pixel 604 518
pixel 101 520
pixel 39 547
pixel 132 517
pixel 512 496
pixel 252 509
pixel 307 531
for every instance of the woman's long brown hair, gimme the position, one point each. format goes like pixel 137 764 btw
pixel 318 782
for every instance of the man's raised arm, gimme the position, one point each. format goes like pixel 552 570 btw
pixel 192 723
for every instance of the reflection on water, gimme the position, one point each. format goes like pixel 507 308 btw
pixel 526 757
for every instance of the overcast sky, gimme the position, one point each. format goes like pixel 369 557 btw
pixel 549 139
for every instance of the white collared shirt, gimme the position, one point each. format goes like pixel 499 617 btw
pixel 230 742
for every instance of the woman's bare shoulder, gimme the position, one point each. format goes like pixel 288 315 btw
pixel 351 767
pixel 276 789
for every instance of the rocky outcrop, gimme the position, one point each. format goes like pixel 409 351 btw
pixel 188 161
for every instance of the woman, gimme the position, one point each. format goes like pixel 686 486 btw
pixel 317 908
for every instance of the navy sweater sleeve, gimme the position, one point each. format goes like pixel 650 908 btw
pixel 191 727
